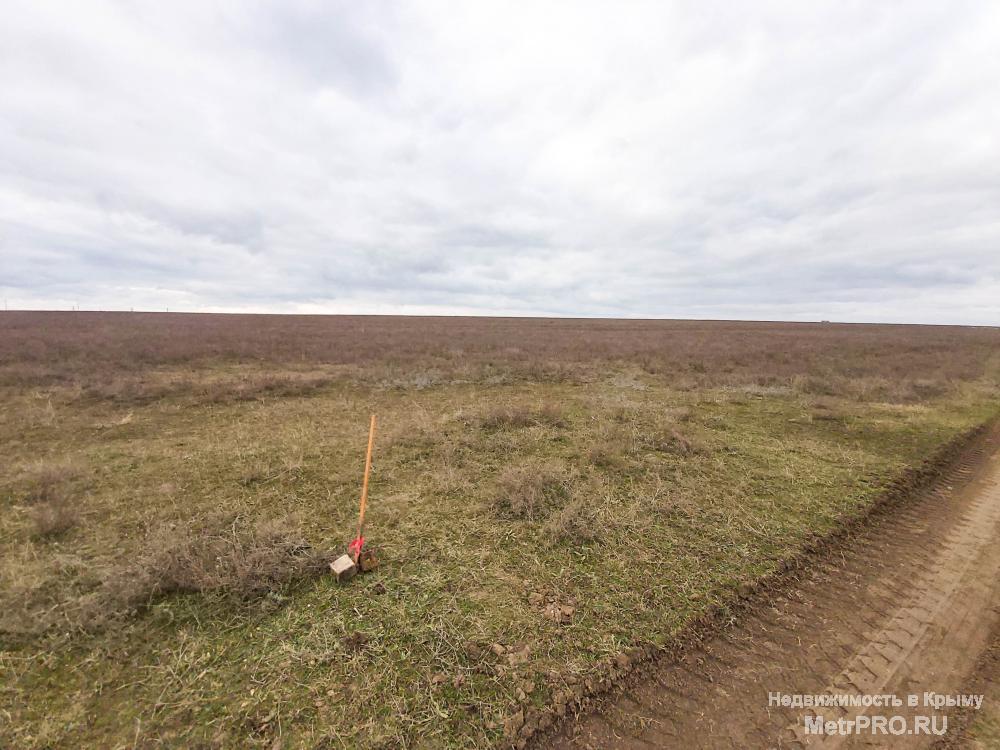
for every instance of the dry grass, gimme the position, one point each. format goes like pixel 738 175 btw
pixel 136 391
pixel 672 440
pixel 532 490
pixel 232 558
pixel 615 442
pixel 53 502
pixel 53 518
pixel 638 471
pixel 578 521
pixel 226 558
pixel 109 355
pixel 519 415
pixel 47 482
pixel 607 455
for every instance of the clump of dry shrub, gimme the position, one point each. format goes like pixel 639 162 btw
pixel 261 386
pixel 257 470
pixel 47 482
pixel 234 559
pixel 129 389
pixel 672 440
pixel 513 416
pixel 826 410
pixel 606 455
pixel 819 385
pixel 917 390
pixel 53 518
pixel 677 504
pixel 53 506
pixel 613 444
pixel 531 490
pixel 548 492
pixel 577 521
pixel 134 390
pixel 899 390
pixel 417 380
pixel 624 414
pixel 227 558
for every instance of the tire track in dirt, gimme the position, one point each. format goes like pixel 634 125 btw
pixel 905 606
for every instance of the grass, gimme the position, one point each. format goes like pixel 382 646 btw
pixel 532 527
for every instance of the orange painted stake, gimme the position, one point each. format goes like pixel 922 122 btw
pixel 364 486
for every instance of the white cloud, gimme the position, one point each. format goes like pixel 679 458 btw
pixel 766 160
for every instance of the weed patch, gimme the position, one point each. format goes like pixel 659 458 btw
pixel 235 559
pixel 54 517
pixel 530 491
pixel 512 417
pixel 576 522
pixel 48 482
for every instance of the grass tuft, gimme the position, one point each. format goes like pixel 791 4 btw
pixel 515 416
pixel 228 558
pixel 47 482
pixel 672 440
pixel 53 518
pixel 530 491
pixel 577 521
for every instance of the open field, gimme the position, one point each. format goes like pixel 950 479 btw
pixel 547 496
pixel 901 604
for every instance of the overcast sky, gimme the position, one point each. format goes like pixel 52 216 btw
pixel 796 160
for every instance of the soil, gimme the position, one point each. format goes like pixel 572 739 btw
pixel 909 604
pixel 979 729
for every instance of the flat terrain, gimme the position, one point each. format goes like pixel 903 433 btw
pixel 547 496
pixel 905 606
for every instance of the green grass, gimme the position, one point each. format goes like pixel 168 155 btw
pixel 662 503
pixel 985 730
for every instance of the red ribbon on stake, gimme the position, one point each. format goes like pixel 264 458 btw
pixel 354 548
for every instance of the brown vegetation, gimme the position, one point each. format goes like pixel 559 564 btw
pixel 232 557
pixel 53 518
pixel 547 491
pixel 671 440
pixel 614 443
pixel 577 521
pixel 47 482
pixel 106 354
pixel 135 391
pixel 53 506
pixel 531 490
pixel 512 416
pixel 638 467
pixel 228 558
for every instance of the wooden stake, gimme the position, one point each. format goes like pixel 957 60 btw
pixel 364 485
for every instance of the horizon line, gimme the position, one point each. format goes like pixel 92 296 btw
pixel 499 317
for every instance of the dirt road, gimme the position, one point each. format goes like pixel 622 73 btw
pixel 904 607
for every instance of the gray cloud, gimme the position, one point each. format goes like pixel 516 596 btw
pixel 770 160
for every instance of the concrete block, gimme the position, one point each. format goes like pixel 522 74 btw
pixel 344 568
